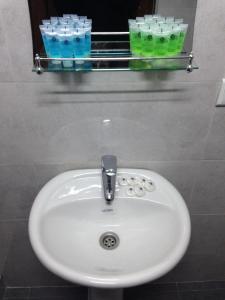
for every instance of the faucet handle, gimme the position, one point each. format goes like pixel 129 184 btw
pixel 109 164
pixel 109 169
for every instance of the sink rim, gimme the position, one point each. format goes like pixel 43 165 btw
pixel 112 281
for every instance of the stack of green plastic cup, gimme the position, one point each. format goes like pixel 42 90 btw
pixel 157 36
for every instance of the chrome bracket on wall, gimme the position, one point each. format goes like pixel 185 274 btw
pixel 190 63
pixel 39 69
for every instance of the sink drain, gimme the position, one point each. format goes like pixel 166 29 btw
pixel 109 240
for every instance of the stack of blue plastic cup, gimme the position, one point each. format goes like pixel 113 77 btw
pixel 67 37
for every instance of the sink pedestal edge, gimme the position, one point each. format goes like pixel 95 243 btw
pixel 103 294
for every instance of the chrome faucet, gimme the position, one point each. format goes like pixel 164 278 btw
pixel 109 169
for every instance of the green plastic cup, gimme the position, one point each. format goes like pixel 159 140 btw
pixel 140 19
pixel 174 36
pixel 147 42
pixel 148 17
pixel 161 42
pixel 135 39
pixel 182 35
pixel 156 17
pixel 169 20
pixel 179 21
pixel 131 21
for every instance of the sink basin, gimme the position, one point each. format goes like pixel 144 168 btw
pixel 139 237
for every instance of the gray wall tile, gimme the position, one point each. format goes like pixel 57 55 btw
pixel 17 176
pixel 22 267
pixel 63 127
pixel 77 292
pixel 202 295
pixel 16 12
pixel 17 191
pixel 207 39
pixel 150 127
pixel 5 66
pixel 146 292
pixel 209 190
pixel 15 203
pixel 201 285
pixel 215 143
pixel 6 234
pixel 17 293
pixel 204 260
pixel 156 130
pixel 1 292
pixel 204 240
pixel 197 268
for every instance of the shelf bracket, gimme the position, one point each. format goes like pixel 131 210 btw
pixel 190 63
pixel 38 67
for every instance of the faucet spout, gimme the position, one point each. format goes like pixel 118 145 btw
pixel 109 170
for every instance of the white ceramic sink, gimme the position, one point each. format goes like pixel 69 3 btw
pixel 70 215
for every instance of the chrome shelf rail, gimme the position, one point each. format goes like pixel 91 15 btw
pixel 111 33
pixel 104 56
pixel 39 69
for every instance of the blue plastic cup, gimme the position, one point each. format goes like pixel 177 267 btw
pixel 65 21
pixel 82 18
pixel 87 30
pixel 75 21
pixel 43 29
pixel 79 49
pixel 52 43
pixel 67 16
pixel 80 24
pixel 54 21
pixel 88 21
pixel 66 46
pixel 64 28
pixel 46 22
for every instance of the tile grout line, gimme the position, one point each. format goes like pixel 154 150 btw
pixel 13 220
pixel 193 187
pixel 203 154
pixel 96 166
pixel 176 284
pixel 29 293
pixel 22 220
pixel 4 292
pixel 39 164
pixel 207 214
pixel 178 291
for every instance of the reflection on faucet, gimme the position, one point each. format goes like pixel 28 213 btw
pixel 109 170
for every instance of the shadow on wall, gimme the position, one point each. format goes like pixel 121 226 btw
pixel 80 78
pixel 153 90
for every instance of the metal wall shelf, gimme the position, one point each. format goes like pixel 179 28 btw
pixel 105 58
